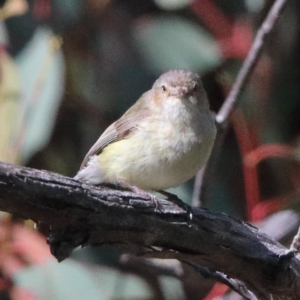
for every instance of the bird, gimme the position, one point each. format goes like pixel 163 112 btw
pixel 160 142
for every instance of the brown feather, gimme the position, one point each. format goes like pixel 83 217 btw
pixel 120 129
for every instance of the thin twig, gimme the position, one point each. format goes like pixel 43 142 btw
pixel 232 98
pixel 234 284
pixel 196 200
pixel 250 61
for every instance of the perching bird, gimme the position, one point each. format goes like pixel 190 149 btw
pixel 160 142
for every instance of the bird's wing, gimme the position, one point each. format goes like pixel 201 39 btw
pixel 120 129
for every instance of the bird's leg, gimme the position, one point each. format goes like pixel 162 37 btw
pixel 169 195
pixel 140 192
pixel 174 198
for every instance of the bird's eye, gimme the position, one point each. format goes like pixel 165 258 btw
pixel 195 87
pixel 163 88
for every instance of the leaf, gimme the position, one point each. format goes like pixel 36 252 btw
pixel 174 43
pixel 73 280
pixel 42 81
pixel 9 104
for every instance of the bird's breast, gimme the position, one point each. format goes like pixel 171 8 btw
pixel 159 154
pixel 172 153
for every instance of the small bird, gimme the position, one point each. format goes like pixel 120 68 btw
pixel 160 142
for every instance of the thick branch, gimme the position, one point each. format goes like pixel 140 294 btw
pixel 86 215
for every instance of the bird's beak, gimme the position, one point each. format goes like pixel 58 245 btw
pixel 181 92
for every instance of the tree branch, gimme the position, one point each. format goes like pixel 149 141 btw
pixel 234 284
pixel 85 215
pixel 231 100
pixel 250 61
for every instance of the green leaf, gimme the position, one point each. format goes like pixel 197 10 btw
pixel 175 43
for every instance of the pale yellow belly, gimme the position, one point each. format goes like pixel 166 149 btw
pixel 153 164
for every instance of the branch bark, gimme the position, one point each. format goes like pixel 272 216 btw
pixel 78 214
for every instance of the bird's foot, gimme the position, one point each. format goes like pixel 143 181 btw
pixel 174 198
pixel 142 193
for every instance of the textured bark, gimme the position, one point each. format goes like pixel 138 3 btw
pixel 216 245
